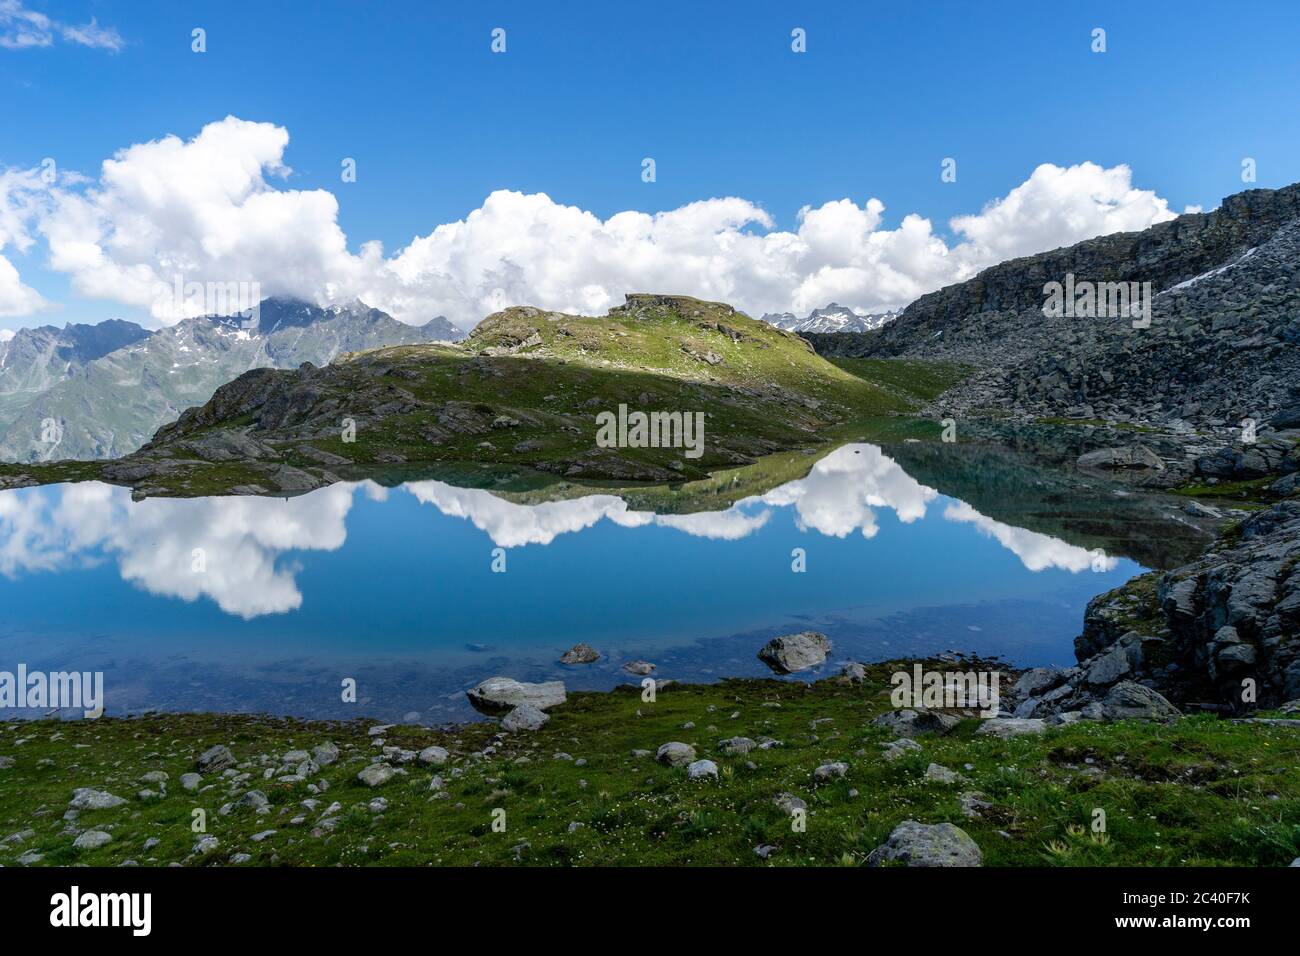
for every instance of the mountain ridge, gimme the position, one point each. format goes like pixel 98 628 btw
pixel 1220 346
pixel 111 405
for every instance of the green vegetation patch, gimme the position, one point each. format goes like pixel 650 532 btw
pixel 586 788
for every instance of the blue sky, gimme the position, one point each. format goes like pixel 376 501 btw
pixel 713 92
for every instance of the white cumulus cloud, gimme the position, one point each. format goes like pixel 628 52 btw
pixel 25 29
pixel 218 208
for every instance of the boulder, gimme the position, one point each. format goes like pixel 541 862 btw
pixel 831 771
pixel 675 754
pixel 734 746
pixel 854 672
pixel 87 798
pixel 524 717
pixel 1113 459
pixel 702 770
pixel 435 756
pixel 922 844
pixel 376 775
pixel 1005 727
pixel 503 693
pixel 580 654
pixel 914 723
pixel 788 803
pixel 791 653
pixel 1130 701
pixel 92 840
pixel 215 759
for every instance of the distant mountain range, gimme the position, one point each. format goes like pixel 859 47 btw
pixel 101 391
pixel 833 318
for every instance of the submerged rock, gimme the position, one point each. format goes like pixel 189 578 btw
pixel 580 654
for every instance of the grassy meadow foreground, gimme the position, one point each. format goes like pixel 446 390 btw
pixel 587 789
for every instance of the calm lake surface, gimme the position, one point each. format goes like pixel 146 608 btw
pixel 265 604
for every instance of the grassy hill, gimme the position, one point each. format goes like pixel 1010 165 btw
pixel 524 391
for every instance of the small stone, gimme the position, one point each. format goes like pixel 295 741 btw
pixel 854 672
pixel 734 746
pixel 435 756
pixel 973 804
pixel 789 803
pixel 92 840
pixel 326 753
pixel 87 798
pixel 205 845
pixel 580 654
pixel 215 759
pixel 524 717
pixel 675 754
pixel 702 770
pixel 376 775
pixel 939 774
pixel 1005 727
pixel 830 771
pixel 898 748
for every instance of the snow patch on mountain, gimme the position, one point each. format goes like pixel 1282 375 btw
pixel 832 318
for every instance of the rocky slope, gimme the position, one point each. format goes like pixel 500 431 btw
pixel 1221 346
pixel 1221 631
pixel 111 404
pixel 36 359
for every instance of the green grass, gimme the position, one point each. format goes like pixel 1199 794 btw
pixel 1247 493
pixel 916 380
pixel 1198 792
pixel 1096 423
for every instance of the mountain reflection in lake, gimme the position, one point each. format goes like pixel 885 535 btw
pixel 264 604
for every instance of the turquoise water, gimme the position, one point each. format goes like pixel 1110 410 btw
pixel 265 604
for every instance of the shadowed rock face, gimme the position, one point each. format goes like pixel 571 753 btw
pixel 1197 632
pixel 39 358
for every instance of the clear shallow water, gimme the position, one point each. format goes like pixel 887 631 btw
pixel 263 604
